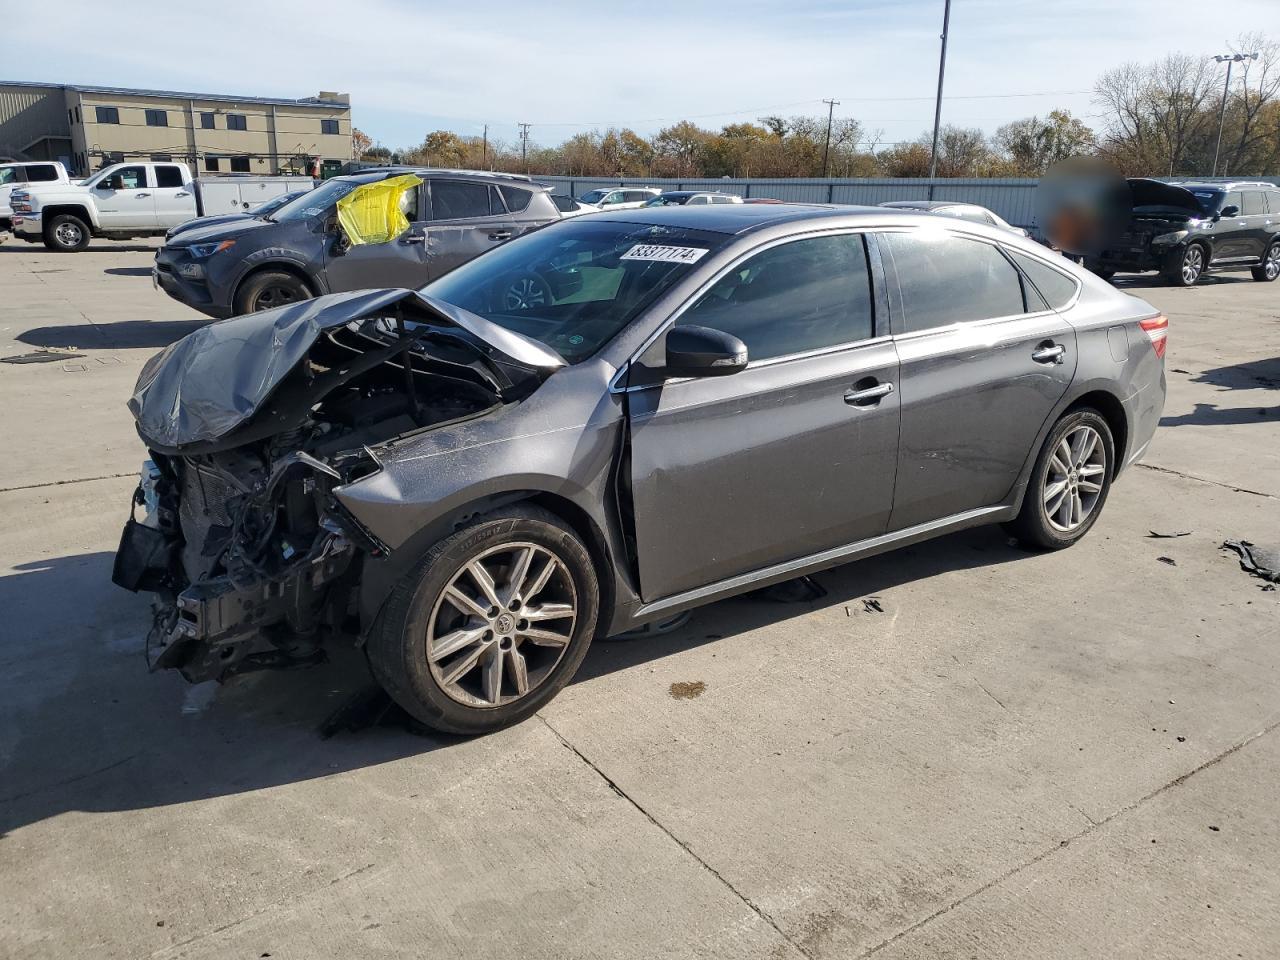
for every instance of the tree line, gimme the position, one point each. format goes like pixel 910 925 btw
pixel 1155 119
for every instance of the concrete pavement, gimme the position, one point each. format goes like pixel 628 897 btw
pixel 1065 755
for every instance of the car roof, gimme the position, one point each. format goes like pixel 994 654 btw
pixel 928 204
pixel 383 173
pixel 1222 185
pixel 736 218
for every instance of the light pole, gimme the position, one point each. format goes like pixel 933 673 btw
pixel 524 146
pixel 937 110
pixel 831 109
pixel 1228 59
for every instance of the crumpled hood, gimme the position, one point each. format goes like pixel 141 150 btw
pixel 218 228
pixel 214 380
pixel 1156 193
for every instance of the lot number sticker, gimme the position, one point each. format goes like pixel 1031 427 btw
pixel 663 254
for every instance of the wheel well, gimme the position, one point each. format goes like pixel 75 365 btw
pixel 48 213
pixel 593 538
pixel 1112 410
pixel 276 266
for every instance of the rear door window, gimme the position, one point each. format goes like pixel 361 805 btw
pixel 945 279
pixel 459 199
pixel 793 298
pixel 168 177
pixel 1232 200
pixel 1253 203
pixel 638 196
pixel 1056 287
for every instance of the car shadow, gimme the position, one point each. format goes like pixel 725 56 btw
pixel 120 335
pixel 85 727
pixel 1144 280
pixel 1243 376
pixel 128 271
pixel 1210 415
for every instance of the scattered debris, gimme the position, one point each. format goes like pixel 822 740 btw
pixel 51 355
pixel 1169 560
pixel 798 590
pixel 688 689
pixel 159 923
pixel 872 605
pixel 1214 829
pixel 1182 739
pixel 1159 535
pixel 1262 562
pixel 1179 370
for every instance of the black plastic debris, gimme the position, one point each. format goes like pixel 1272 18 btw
pixel 42 356
pixel 1262 562
pixel 799 590
pixel 1169 560
pixel 872 605
pixel 1159 535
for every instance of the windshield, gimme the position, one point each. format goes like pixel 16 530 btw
pixel 593 196
pixel 315 202
pixel 576 284
pixel 275 203
pixel 1209 199
pixel 8 175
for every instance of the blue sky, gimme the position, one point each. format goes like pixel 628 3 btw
pixel 412 67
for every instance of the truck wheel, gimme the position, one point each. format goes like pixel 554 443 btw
pixel 490 625
pixel 66 233
pixel 1185 268
pixel 270 289
pixel 1269 269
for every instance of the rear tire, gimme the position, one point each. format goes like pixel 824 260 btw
pixel 455 659
pixel 1269 269
pixel 1069 482
pixel 1186 268
pixel 66 233
pixel 268 290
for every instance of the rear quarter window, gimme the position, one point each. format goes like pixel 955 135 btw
pixel 1253 203
pixel 1056 287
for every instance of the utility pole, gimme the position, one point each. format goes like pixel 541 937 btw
pixel 826 149
pixel 524 146
pixel 1228 59
pixel 942 71
pixel 484 149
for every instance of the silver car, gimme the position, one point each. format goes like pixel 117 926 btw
pixel 708 400
pixel 619 198
pixel 953 208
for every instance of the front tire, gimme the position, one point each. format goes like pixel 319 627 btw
pixel 1186 268
pixel 1269 269
pixel 268 290
pixel 490 625
pixel 1069 482
pixel 66 233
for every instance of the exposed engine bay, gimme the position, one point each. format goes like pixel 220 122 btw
pixel 252 560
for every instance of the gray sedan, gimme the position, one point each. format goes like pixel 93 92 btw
pixel 707 401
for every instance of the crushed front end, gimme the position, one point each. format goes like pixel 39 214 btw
pixel 251 425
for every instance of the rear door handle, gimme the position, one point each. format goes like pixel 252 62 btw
pixel 414 238
pixel 183 193
pixel 1048 353
pixel 500 235
pixel 868 396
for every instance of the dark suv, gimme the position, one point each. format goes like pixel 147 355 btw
pixel 1185 228
pixel 299 251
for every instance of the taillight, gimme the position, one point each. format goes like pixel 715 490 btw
pixel 1157 329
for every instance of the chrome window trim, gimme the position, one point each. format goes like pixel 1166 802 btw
pixel 728 268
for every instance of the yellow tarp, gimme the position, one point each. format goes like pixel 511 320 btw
pixel 372 213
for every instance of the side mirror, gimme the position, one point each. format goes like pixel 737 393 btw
pixel 1231 211
pixel 703 352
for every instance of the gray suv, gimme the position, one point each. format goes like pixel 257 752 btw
pixel 299 251
pixel 712 399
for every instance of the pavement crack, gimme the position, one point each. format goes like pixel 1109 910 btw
pixel 66 483
pixel 67 781
pixel 981 686
pixel 1216 483
pixel 1094 826
pixel 757 910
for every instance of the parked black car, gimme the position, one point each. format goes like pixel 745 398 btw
pixel 300 251
pixel 1186 228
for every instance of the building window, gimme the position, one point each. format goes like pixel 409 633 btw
pixel 108 114
pixel 78 115
pixel 116 156
pixel 71 117
pixel 239 164
pixel 211 164
pixel 328 126
pixel 157 118
pixel 236 121
pixel 161 158
pixel 206 121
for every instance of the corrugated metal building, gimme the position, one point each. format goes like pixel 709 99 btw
pixel 87 127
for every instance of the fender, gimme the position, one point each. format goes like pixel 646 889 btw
pixel 85 211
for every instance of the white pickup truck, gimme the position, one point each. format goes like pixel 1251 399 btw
pixel 128 200
pixel 15 176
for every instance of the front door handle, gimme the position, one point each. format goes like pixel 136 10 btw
pixel 1048 353
pixel 500 235
pixel 183 193
pixel 867 396
pixel 140 195
pixel 414 238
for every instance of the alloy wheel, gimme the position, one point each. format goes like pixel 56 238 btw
pixel 525 293
pixel 502 624
pixel 1272 264
pixel 274 296
pixel 1074 478
pixel 1192 264
pixel 68 234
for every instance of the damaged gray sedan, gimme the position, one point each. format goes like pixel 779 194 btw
pixel 686 404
